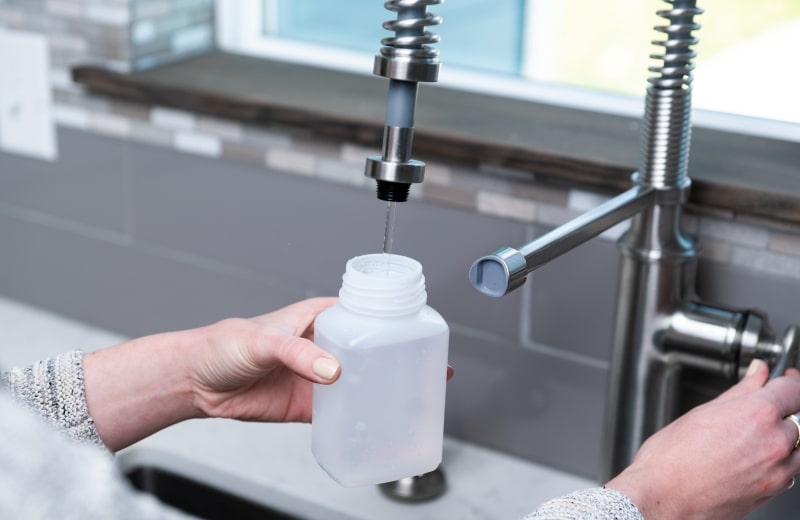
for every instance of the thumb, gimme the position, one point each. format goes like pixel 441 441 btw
pixel 308 360
pixel 756 377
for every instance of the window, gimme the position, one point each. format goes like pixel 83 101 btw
pixel 289 27
pixel 583 53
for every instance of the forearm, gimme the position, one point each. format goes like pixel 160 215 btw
pixel 140 387
pixel 258 369
pixel 646 490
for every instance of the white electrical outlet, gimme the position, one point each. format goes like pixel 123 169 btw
pixel 26 111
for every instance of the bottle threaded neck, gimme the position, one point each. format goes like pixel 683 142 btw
pixel 383 285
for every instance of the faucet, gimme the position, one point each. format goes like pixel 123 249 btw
pixel 405 59
pixel 661 327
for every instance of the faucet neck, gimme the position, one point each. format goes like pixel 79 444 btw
pixel 657 232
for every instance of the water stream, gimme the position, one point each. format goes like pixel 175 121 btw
pixel 388 233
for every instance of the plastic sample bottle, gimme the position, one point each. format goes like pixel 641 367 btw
pixel 383 420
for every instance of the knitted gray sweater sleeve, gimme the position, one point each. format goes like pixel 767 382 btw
pixel 54 389
pixel 588 504
pixel 45 474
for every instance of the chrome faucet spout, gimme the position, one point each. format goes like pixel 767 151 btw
pixel 504 270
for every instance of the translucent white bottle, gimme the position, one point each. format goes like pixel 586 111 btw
pixel 383 420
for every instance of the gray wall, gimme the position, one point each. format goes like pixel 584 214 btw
pixel 139 239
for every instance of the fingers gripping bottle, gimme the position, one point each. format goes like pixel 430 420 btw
pixel 383 420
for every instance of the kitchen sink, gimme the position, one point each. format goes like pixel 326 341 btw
pixel 199 499
pixel 219 490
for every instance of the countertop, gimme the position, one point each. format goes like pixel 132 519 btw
pixel 272 463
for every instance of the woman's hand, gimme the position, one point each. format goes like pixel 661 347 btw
pixel 252 369
pixel 262 368
pixel 722 459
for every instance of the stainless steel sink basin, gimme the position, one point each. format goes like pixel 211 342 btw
pixel 199 499
pixel 216 491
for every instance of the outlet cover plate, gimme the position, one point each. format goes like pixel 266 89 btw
pixel 26 112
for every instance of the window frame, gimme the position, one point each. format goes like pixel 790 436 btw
pixel 239 31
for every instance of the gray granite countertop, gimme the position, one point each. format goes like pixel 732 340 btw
pixel 273 464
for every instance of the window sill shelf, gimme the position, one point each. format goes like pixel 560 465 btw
pixel 734 175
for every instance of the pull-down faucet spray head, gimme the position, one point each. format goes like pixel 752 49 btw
pixel 405 59
pixel 661 179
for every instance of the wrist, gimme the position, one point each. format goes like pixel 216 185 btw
pixel 642 488
pixel 139 387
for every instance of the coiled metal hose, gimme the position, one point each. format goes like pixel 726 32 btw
pixel 664 150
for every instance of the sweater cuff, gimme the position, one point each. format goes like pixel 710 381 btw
pixel 54 388
pixel 589 504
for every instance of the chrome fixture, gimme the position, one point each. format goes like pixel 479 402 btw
pixel 420 488
pixel 661 325
pixel 405 59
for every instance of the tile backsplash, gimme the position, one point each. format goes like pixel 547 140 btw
pixel 124 35
pixel 131 35
pixel 166 30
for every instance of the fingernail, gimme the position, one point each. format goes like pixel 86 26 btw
pixel 753 368
pixel 326 368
